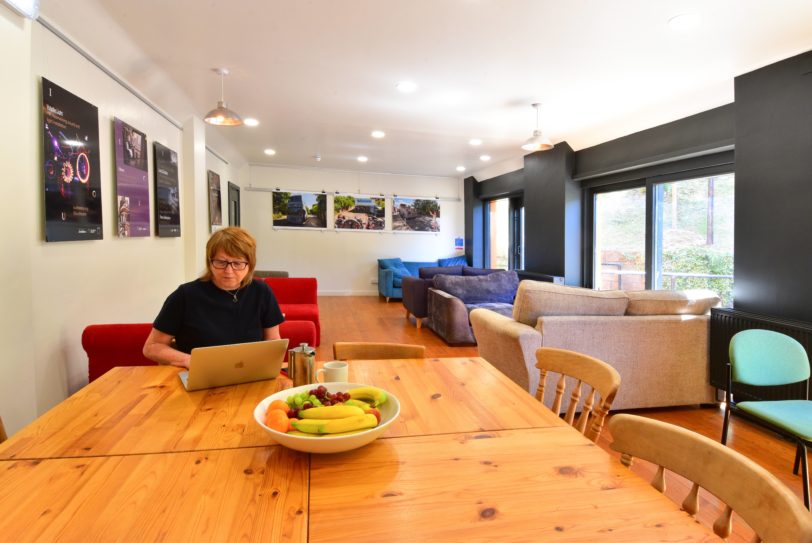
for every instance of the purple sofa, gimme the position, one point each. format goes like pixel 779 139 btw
pixel 451 299
pixel 416 289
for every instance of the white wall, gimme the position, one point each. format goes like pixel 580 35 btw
pixel 345 262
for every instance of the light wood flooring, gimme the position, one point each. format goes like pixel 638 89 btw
pixel 367 318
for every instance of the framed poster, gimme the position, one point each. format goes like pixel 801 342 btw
pixel 132 180
pixel 359 212
pixel 167 192
pixel 415 214
pixel 70 134
pixel 300 209
pixel 215 211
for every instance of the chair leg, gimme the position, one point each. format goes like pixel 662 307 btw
pixel 387 299
pixel 726 423
pixel 797 460
pixel 805 482
pixel 407 314
pixel 419 322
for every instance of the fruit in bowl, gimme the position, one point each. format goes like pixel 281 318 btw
pixel 328 417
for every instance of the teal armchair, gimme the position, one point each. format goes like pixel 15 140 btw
pixel 391 272
pixel 767 358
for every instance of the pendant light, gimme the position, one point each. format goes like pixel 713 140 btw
pixel 221 115
pixel 537 142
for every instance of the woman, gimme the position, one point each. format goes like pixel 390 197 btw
pixel 224 306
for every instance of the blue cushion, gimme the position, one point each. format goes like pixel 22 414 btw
pixel 794 416
pixel 397 267
pixel 414 267
pixel 453 261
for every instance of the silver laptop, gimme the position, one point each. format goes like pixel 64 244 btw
pixel 224 365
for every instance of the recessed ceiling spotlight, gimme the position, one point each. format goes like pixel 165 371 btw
pixel 362 158
pixel 475 142
pixel 270 152
pixel 684 22
pixel 378 134
pixel 250 122
pixel 485 158
pixel 406 87
pixel 460 168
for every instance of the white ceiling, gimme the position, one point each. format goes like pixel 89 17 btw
pixel 320 75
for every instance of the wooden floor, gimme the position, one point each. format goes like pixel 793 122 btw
pixel 367 318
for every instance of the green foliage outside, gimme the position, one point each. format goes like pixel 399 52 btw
pixel 700 260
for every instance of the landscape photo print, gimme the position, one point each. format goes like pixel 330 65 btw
pixel 299 209
pixel 415 214
pixel 359 212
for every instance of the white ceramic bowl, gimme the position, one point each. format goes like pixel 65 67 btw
pixel 328 444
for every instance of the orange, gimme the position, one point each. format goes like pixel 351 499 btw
pixel 278 404
pixel 276 419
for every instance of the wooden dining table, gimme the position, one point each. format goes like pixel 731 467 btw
pixel 133 456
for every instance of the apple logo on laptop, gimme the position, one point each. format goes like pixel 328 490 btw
pixel 239 365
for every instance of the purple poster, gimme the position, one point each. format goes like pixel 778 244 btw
pixel 167 193
pixel 132 183
pixel 70 132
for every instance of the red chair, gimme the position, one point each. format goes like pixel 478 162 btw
pixel 298 299
pixel 111 345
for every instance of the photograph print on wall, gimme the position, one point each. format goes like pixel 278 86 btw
pixel 359 212
pixel 132 180
pixel 415 214
pixel 70 133
pixel 299 209
pixel 167 192
pixel 215 210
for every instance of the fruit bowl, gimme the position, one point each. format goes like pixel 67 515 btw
pixel 327 443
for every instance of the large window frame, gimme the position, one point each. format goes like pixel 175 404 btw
pixel 650 183
pixel 515 229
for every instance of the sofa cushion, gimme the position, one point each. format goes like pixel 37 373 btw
pixel 671 302
pixel 397 267
pixel 538 298
pixel 468 270
pixel 496 287
pixel 428 273
pixel 496 307
pixel 453 261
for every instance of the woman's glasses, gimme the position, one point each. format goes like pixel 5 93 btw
pixel 236 265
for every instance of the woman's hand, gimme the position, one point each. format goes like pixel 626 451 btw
pixel 158 348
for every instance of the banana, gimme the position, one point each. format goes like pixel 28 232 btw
pixel 374 395
pixel 335 426
pixel 331 412
pixel 305 434
pixel 358 403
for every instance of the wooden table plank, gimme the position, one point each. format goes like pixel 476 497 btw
pixel 447 395
pixel 251 494
pixel 546 484
pixel 145 409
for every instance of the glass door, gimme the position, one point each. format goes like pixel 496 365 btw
pixel 619 254
pixel 505 233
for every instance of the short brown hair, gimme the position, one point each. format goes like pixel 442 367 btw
pixel 234 241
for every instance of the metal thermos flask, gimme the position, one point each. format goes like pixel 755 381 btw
pixel 300 364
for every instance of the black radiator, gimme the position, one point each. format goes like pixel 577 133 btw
pixel 725 323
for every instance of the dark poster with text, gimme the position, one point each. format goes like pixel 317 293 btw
pixel 132 182
pixel 70 130
pixel 167 197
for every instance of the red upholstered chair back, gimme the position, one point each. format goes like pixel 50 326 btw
pixel 110 345
pixel 294 290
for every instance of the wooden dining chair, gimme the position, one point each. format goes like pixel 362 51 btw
pixel 771 509
pixel 602 379
pixel 358 350
pixel 3 435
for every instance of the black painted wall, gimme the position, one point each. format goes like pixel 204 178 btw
pixel 773 236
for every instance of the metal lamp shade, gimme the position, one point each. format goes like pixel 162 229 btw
pixel 537 142
pixel 222 116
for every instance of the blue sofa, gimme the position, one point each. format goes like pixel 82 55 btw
pixel 391 272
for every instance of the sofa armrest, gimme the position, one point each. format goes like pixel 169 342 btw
pixel 415 296
pixel 662 359
pixel 509 346
pixel 448 317
pixel 386 282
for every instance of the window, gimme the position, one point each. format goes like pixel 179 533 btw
pixel 671 232
pixel 693 235
pixel 504 226
pixel 620 240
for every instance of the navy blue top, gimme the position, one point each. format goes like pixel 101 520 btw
pixel 198 314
